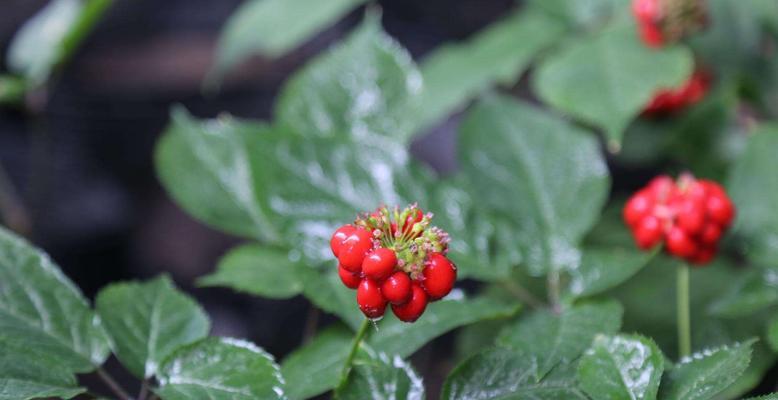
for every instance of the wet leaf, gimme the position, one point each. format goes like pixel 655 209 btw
pixel 258 270
pixel 602 268
pixel 551 196
pixel 378 376
pixel 220 369
pixel 43 315
pixel 706 373
pixel 315 367
pixel 22 378
pixel 148 321
pixel 549 339
pixel 366 88
pixel 621 367
pixel 504 374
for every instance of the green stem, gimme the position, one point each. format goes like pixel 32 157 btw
pixel 112 384
pixel 354 346
pixel 682 312
pixel 522 294
pixel 552 286
pixel 90 15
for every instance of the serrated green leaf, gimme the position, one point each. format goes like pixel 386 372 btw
pixel 753 187
pixel 607 78
pixel 274 27
pixel 753 291
pixel 205 167
pixel 42 313
pixel 51 35
pixel 619 367
pixel 258 270
pixel 148 321
pixel 315 367
pixel 378 376
pixel 455 73
pixel 549 339
pixel 552 196
pixel 23 378
pixel 367 88
pixel 772 396
pixel 705 373
pixel 505 375
pixel 396 337
pixel 220 369
pixel 602 268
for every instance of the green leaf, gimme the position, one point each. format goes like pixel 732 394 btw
pixel 51 36
pixel 367 88
pixel 549 339
pixel 23 377
pixel 772 334
pixel 148 321
pixel 580 14
pixel 706 373
pixel 380 376
pixel 220 368
pixel 753 291
pixel 258 270
pixel 621 367
pixel 455 73
pixel 396 337
pixel 553 196
pixel 754 190
pixel 42 313
pixel 602 268
pixel 607 78
pixel 326 291
pixel 274 27
pixel 503 374
pixel 205 167
pixel 12 89
pixel 315 367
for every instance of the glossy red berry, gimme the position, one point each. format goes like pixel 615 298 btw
pixel 679 243
pixel 397 288
pixel 379 263
pixel 370 300
pixel 710 234
pixel 350 279
pixel 720 209
pixel 354 249
pixel 439 276
pixel 339 236
pixel 414 308
pixel 703 255
pixel 637 207
pixel 648 233
pixel 691 217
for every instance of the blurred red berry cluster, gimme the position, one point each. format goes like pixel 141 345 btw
pixel 394 257
pixel 688 215
pixel 666 21
pixel 666 101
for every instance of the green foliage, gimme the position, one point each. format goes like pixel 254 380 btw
pixel 606 78
pixel 621 367
pixel 274 27
pixel 148 321
pixel 379 376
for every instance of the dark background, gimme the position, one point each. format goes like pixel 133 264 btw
pixel 81 166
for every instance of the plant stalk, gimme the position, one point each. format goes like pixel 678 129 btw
pixel 112 384
pixel 354 346
pixel 554 291
pixel 682 312
pixel 522 294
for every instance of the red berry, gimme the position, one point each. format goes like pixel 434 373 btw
pixel 414 308
pixel 370 300
pixel 691 217
pixel 661 187
pixel 679 243
pixel 637 207
pixel 379 263
pixel 651 34
pixel 704 255
pixel 645 10
pixel 397 288
pixel 720 209
pixel 439 276
pixel 339 236
pixel 648 232
pixel 711 234
pixel 350 279
pixel 354 248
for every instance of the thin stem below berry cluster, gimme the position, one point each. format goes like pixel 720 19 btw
pixel 353 352
pixel 682 310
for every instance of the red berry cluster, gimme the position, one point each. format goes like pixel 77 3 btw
pixel 394 256
pixel 663 21
pixel 689 215
pixel 671 100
